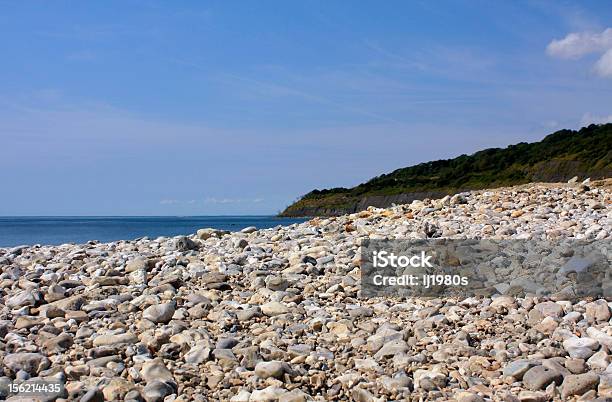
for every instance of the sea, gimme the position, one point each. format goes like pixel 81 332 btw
pixel 17 231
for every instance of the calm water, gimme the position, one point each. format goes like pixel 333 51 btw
pixel 58 230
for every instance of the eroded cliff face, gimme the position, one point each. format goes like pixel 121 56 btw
pixel 552 171
pixel 359 204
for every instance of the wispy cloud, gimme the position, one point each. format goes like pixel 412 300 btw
pixel 275 89
pixel 435 59
pixel 213 200
pixel 578 44
pixel 604 64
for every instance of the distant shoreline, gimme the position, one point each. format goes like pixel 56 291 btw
pixel 55 230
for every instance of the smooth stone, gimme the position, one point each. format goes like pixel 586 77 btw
pixel 531 396
pixel 93 395
pixel 518 368
pixel 108 339
pixel 465 396
pixel 297 395
pixel 575 366
pixel 31 363
pixel 225 356
pixel 156 370
pixel 580 348
pixel 390 349
pixel 21 299
pixel 116 389
pixel 549 309
pixel 538 377
pixel 160 313
pixel 429 380
pixel 156 391
pixel 597 311
pixel 50 311
pixel 226 343
pixel 198 354
pixel 207 233
pixel 58 344
pixel 274 369
pixel 578 384
pixel 507 302
pixel 242 396
pixel 184 243
pixel 25 322
pixel 247 314
pixel 600 337
pixel 605 386
pixel 599 360
pixel 137 264
pixel 269 394
pixel 274 308
pixel 138 278
pixel 71 303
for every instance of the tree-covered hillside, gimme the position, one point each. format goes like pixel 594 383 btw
pixel 558 157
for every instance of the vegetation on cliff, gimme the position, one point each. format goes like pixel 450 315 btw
pixel 558 157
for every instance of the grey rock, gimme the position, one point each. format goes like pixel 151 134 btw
pixel 580 348
pixel 31 363
pixel 226 343
pixel 93 395
pixel 184 243
pixel 21 299
pixel 156 391
pixel 391 348
pixel 110 339
pixel 160 313
pixel 156 370
pixel 518 368
pixel 198 354
pixel 537 378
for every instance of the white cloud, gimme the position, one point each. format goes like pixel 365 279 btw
pixel 578 44
pixel 588 118
pixel 603 66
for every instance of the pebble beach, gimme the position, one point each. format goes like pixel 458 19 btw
pixel 277 315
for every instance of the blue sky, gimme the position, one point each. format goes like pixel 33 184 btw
pixel 205 108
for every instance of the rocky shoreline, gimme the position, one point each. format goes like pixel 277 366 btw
pixel 276 314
